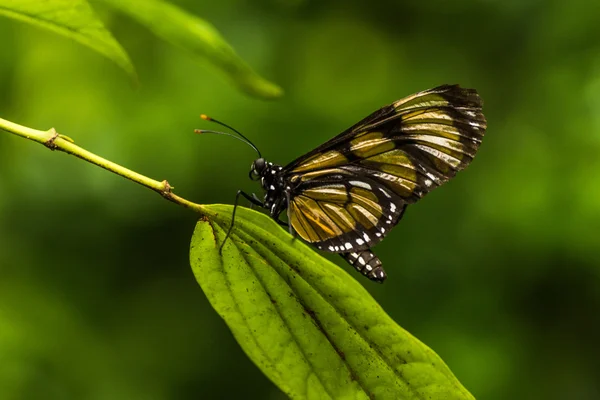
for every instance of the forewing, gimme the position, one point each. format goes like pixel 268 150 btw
pixel 397 154
pixel 443 122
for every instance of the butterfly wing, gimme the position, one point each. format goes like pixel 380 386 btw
pixel 344 210
pixel 349 192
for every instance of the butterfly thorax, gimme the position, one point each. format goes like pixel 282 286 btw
pixel 271 179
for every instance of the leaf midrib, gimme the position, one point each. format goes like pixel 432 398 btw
pixel 290 331
pixel 371 344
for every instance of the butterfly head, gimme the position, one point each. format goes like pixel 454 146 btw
pixel 267 173
pixel 258 169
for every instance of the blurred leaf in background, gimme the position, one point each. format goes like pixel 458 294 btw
pixel 74 19
pixel 498 272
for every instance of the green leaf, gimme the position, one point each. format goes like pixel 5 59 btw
pixel 306 323
pixel 199 37
pixel 71 18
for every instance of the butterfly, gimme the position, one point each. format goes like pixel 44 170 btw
pixel 347 194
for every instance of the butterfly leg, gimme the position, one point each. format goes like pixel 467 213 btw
pixel 289 214
pixel 366 263
pixel 252 199
pixel 255 202
pixel 286 224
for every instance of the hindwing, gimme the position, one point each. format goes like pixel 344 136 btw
pixel 344 212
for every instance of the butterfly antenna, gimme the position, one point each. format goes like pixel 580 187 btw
pixel 241 137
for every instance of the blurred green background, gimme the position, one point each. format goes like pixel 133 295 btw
pixel 498 271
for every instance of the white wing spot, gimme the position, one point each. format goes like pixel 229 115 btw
pixel 385 193
pixel 331 248
pixel 348 245
pixel 427 182
pixel 271 187
pixel 361 261
pixel 360 241
pixel 361 184
pixel 367 238
pixel 377 234
pixel 369 268
pixel 337 248
pixel 273 172
pixel 382 230
pixel 353 255
pixel 392 207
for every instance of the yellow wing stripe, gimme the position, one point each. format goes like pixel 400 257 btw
pixel 420 100
pixel 340 216
pixel 394 162
pixel 402 187
pixel 449 147
pixel 316 225
pixel 367 200
pixel 332 194
pixel 446 131
pixel 328 159
pixel 370 144
pixel 298 223
pixel 362 215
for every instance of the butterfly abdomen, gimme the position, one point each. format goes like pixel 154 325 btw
pixel 367 264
